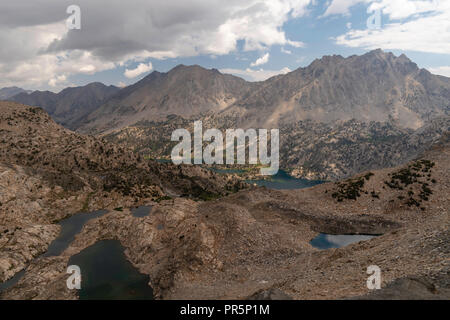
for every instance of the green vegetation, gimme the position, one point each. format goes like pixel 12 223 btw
pixel 410 176
pixel 350 189
pixel 163 198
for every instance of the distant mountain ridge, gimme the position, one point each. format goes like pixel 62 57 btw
pixel 8 92
pixel 71 105
pixel 376 86
pixel 336 117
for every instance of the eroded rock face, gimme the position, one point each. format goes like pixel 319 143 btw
pixel 45 279
pixel 19 245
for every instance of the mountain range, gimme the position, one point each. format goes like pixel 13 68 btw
pixel 377 86
pixel 329 113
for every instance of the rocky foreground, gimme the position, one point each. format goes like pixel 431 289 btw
pixel 48 173
pixel 255 243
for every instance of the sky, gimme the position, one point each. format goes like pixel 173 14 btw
pixel 50 45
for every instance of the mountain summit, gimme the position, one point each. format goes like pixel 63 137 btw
pixel 185 91
pixel 377 86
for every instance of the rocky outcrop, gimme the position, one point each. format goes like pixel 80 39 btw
pixel 19 245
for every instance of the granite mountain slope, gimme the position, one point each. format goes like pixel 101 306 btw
pixel 377 86
pixel 185 91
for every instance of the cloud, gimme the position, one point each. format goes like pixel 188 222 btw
pixel 260 61
pixel 422 26
pixel 397 9
pixel 401 9
pixel 23 61
pixel 295 44
pixel 342 7
pixel 286 51
pixel 140 69
pixel 57 81
pixel 37 47
pixel 443 71
pixel 255 75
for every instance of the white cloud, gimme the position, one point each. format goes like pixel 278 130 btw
pixel 121 84
pixel 396 9
pixel 443 71
pixel 25 62
pixel 37 47
pixel 421 26
pixel 255 75
pixel 286 51
pixel 400 9
pixel 295 44
pixel 260 61
pixel 57 81
pixel 140 69
pixel 342 6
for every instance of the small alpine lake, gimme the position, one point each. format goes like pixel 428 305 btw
pixel 327 241
pixel 283 181
pixel 107 275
